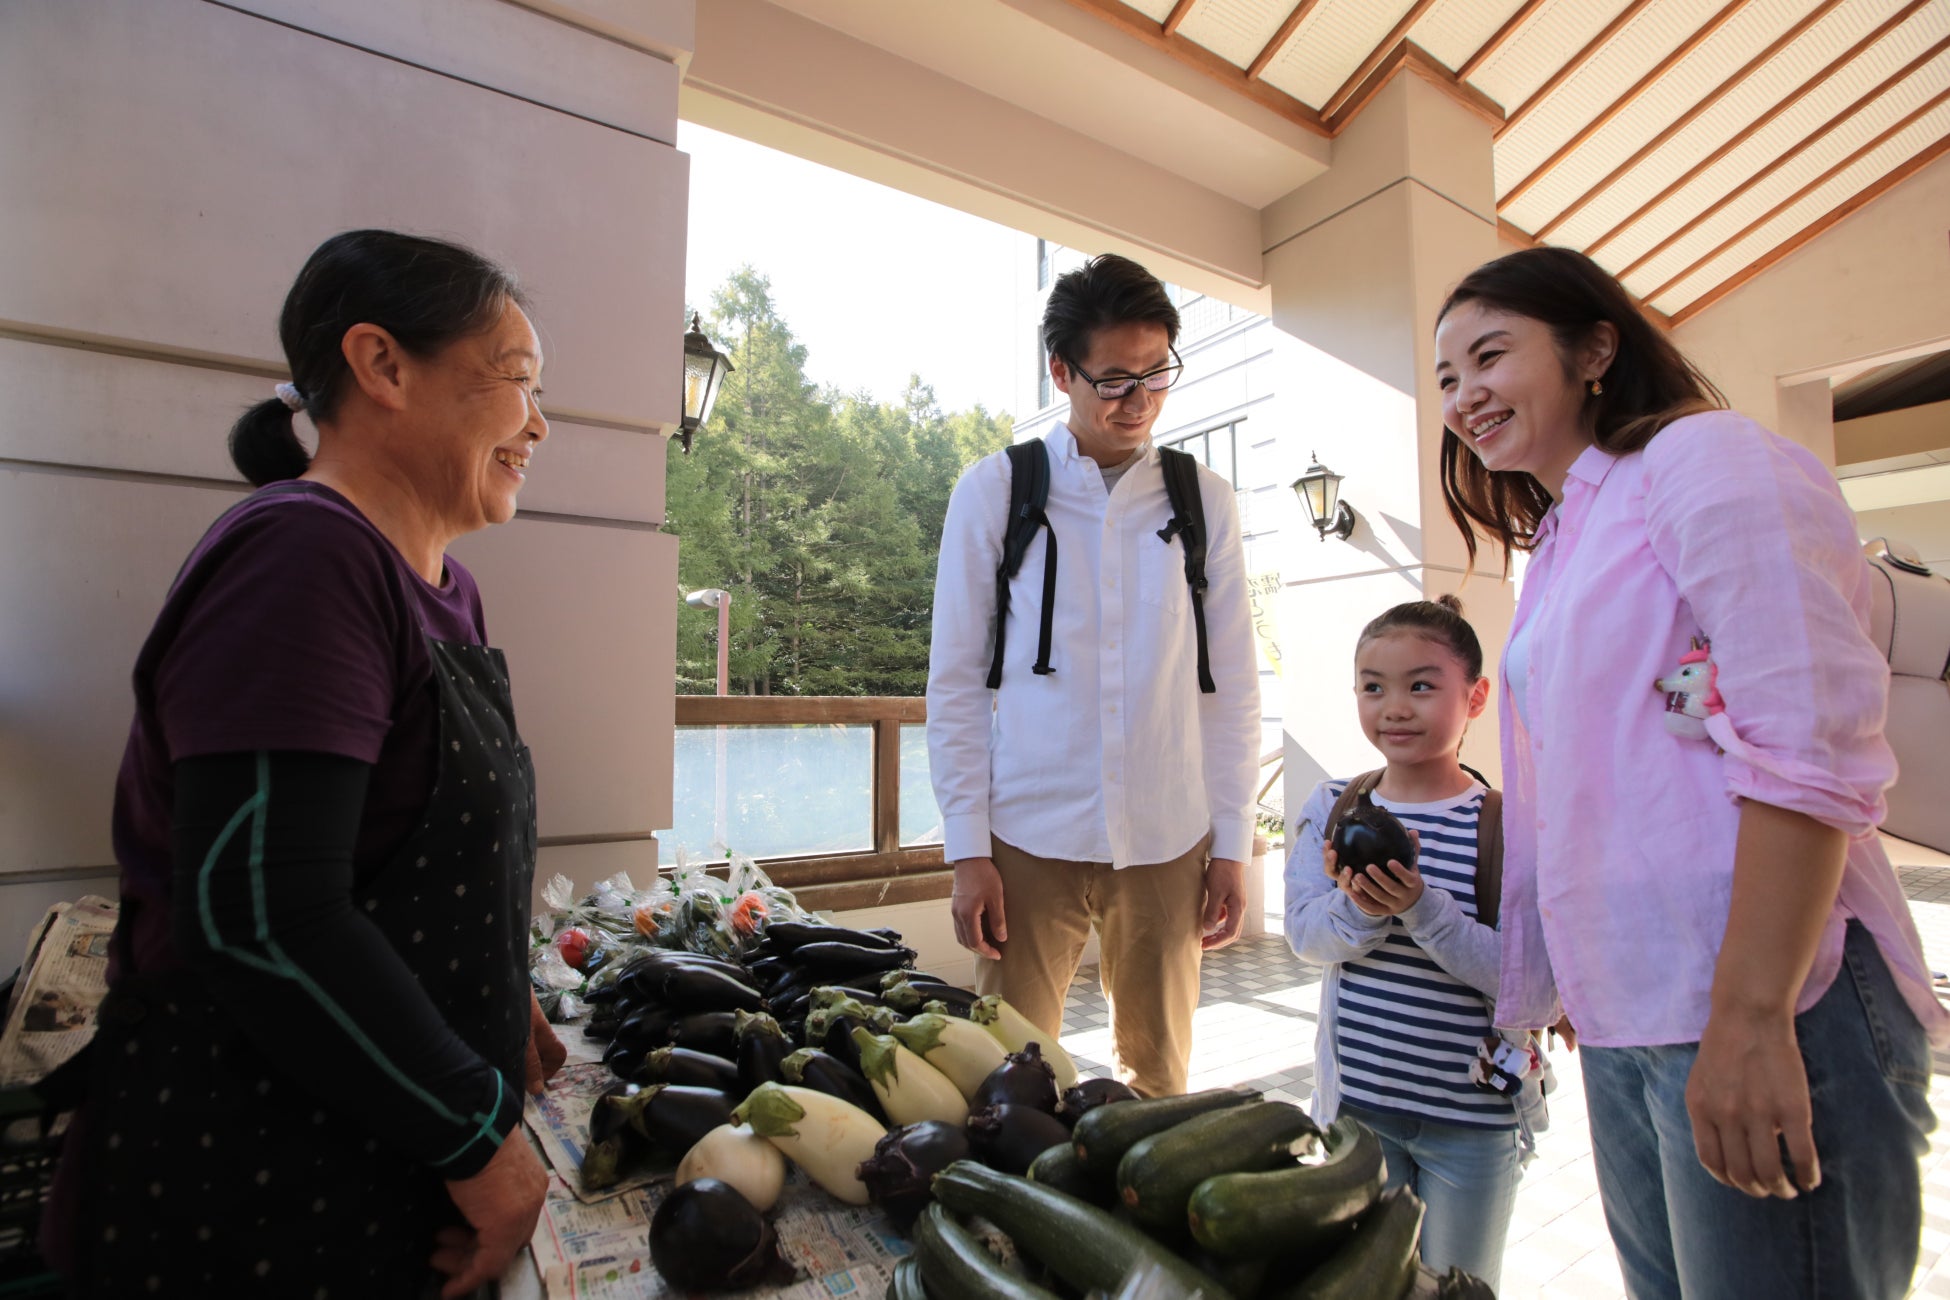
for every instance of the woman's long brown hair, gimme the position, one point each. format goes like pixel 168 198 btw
pixel 1649 385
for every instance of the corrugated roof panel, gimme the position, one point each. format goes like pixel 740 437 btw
pixel 1652 34
pixel 1330 45
pixel 1802 170
pixel 1156 10
pixel 1235 30
pixel 1546 43
pixel 1679 89
pixel 1781 76
pixel 1804 119
pixel 1924 132
pixel 1456 29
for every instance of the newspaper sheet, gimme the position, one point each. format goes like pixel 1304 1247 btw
pixel 64 977
pixel 601 1251
pixel 559 1119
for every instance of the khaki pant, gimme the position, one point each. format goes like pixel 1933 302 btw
pixel 1147 920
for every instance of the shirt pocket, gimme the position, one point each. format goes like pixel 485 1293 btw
pixel 1161 574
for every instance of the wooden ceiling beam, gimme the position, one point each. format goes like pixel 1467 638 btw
pixel 1807 88
pixel 1395 38
pixel 1691 115
pixel 1848 208
pixel 1511 26
pixel 1271 49
pixel 1407 56
pixel 1179 13
pixel 1571 68
pixel 1150 32
pixel 1869 97
pixel 1631 96
pixel 1908 119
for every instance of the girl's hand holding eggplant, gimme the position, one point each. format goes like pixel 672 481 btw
pixel 501 1205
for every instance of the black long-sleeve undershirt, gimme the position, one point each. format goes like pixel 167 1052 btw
pixel 267 920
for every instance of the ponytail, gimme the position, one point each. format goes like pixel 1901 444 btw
pixel 264 444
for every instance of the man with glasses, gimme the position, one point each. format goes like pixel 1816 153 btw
pixel 1101 785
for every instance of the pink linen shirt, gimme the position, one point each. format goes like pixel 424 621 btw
pixel 1618 834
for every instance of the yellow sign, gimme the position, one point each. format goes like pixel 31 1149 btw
pixel 1263 589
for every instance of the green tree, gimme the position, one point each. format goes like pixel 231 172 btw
pixel 820 511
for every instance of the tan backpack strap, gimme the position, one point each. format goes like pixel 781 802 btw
pixel 1358 786
pixel 1489 859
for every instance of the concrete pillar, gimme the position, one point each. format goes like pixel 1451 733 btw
pixel 165 168
pixel 1358 262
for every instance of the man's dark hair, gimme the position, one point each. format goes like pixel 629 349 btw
pixel 1106 290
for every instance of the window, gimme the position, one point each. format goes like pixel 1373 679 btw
pixel 1042 267
pixel 1043 394
pixel 1217 449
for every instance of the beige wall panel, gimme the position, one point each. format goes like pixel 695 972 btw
pixel 87 561
pixel 585 864
pixel 201 153
pixel 1877 283
pixel 664 27
pixel 1807 415
pixel 585 614
pixel 1925 526
pixel 1346 287
pixel 514 50
pixel 1893 433
pixel 74 406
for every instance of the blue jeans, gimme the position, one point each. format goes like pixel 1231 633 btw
pixel 1680 1233
pixel 1466 1176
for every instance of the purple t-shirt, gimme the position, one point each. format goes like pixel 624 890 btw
pixel 294 625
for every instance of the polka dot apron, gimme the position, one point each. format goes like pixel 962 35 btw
pixel 213 1172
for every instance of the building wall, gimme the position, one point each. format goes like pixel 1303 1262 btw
pixel 165 168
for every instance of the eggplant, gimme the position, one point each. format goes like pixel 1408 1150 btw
pixel 673 1117
pixel 762 1049
pixel 850 958
pixel 692 1069
pixel 1023 1079
pixel 601 1026
pixel 643 976
pixel 1371 836
pixel 886 932
pixel 715 1032
pixel 790 936
pixel 623 1059
pixel 611 1112
pixel 822 1072
pixel 914 998
pixel 1009 1138
pixel 706 1236
pixel 1088 1094
pixel 647 1025
pixel 900 1175
pixel 828 994
pixel 705 988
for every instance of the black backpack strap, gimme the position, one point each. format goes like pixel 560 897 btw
pixel 1188 523
pixel 1028 496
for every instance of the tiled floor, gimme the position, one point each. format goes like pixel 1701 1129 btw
pixel 1255 1024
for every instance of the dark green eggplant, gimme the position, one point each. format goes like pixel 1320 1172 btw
pixel 692 1069
pixel 715 1032
pixel 762 1049
pixel 811 1068
pixel 851 958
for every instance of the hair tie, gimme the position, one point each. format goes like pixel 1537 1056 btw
pixel 288 394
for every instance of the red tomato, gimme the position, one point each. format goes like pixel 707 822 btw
pixel 573 944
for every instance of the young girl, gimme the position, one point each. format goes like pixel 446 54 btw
pixel 1404 1008
pixel 1693 745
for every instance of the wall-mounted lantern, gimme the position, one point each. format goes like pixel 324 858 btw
pixel 704 370
pixel 1319 489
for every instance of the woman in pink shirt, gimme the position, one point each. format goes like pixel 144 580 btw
pixel 1693 753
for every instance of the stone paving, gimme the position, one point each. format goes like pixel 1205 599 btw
pixel 1255 1024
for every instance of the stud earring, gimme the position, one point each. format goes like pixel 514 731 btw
pixel 1597 389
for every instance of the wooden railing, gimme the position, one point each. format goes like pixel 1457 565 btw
pixel 843 881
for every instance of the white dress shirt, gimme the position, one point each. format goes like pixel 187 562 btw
pixel 1115 756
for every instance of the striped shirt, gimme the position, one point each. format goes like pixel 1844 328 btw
pixel 1407 1031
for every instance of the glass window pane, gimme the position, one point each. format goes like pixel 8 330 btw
pixel 775 791
pixel 1220 457
pixel 920 818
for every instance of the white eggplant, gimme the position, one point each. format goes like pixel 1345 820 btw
pixel 1014 1031
pixel 910 1090
pixel 963 1051
pixel 734 1154
pixel 826 1137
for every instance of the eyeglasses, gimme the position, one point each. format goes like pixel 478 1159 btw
pixel 1154 381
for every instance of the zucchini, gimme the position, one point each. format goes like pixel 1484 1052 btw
pixel 1103 1135
pixel 955 1266
pixel 1157 1175
pixel 905 1281
pixel 1289 1210
pixel 1081 1244
pixel 1059 1167
pixel 1378 1261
